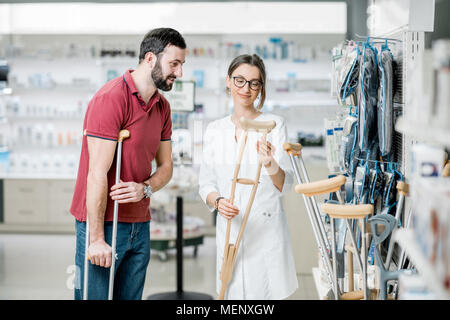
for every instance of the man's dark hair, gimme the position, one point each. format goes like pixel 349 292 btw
pixel 157 40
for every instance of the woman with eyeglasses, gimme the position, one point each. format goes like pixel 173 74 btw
pixel 264 266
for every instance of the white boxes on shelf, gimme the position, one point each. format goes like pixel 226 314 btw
pixel 431 225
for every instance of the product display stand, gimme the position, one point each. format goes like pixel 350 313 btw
pixel 180 294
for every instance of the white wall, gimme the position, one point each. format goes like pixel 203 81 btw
pixel 194 18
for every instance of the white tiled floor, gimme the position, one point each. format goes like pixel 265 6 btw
pixel 37 266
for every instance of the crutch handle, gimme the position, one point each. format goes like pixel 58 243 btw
pixel 89 257
pixel 403 188
pixel 349 211
pixel 254 125
pixel 321 186
pixel 353 295
pixel 123 134
pixel 292 148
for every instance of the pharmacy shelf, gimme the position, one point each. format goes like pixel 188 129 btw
pixel 77 118
pixel 422 132
pixel 406 240
pixel 65 87
pixel 303 103
pixel 38 228
pixel 186 235
pixel 38 176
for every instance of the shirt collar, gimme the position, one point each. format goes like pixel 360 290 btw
pixel 131 85
pixel 129 81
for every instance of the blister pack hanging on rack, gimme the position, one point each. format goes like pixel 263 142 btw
pixel 349 143
pixel 367 111
pixel 366 86
pixel 350 81
pixel 385 100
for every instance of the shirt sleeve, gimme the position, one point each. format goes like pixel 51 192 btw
pixel 105 117
pixel 166 132
pixel 207 176
pixel 279 137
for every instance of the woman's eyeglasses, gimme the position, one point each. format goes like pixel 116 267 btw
pixel 240 82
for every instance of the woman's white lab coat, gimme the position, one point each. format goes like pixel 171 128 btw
pixel 264 266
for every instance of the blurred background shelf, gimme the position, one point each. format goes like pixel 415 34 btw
pixel 406 240
pixel 424 132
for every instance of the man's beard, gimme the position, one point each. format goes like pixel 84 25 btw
pixel 159 80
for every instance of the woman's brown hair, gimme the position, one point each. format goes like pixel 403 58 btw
pixel 256 61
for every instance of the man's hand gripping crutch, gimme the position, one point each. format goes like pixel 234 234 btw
pixel 123 134
pixel 230 250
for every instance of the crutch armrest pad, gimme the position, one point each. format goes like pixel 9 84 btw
pixel 321 186
pixel 347 211
pixel 292 147
pixel 255 125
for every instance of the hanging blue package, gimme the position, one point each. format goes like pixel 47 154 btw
pixel 377 184
pixel 367 115
pixel 392 176
pixel 348 143
pixel 351 75
pixel 385 101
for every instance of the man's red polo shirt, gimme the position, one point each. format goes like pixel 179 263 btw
pixel 117 106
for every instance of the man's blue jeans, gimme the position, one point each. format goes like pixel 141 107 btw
pixel 133 256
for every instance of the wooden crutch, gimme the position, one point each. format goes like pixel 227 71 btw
pixel 123 134
pixel 230 249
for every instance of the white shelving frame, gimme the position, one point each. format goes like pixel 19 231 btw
pixel 413 44
pixel 406 239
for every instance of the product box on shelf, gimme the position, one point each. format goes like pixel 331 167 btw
pixel 426 161
pixel 441 59
pixel 431 223
pixel 333 142
pixel 414 287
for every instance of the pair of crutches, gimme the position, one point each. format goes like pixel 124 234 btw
pixel 230 250
pixel 335 211
pixel 123 134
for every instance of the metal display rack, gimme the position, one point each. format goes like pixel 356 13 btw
pixel 408 44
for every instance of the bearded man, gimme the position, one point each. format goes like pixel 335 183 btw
pixel 132 102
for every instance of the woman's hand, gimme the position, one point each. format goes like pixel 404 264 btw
pixel 265 151
pixel 126 192
pixel 226 209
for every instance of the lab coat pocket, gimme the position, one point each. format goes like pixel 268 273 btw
pixel 273 231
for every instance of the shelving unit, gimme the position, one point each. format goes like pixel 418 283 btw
pixel 37 176
pixel 406 42
pixel 65 70
pixel 429 133
pixel 37 228
pixel 406 239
